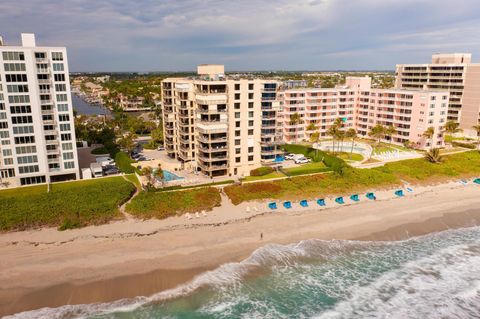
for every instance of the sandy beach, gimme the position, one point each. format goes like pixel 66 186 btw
pixel 48 268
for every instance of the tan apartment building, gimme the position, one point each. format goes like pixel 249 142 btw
pixel 410 112
pixel 219 125
pixel 452 72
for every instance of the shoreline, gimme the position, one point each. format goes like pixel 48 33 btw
pixel 131 258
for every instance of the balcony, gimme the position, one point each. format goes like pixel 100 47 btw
pixel 213 149
pixel 47 112
pixel 46 102
pixel 55 151
pixel 211 111
pixel 212 139
pixel 212 127
pixel 44 81
pixel 53 160
pixel 212 167
pixel 211 98
pixel 43 70
pixel 49 122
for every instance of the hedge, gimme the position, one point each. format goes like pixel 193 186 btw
pixel 261 171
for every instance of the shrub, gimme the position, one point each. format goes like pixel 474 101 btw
pixel 462 144
pixel 100 150
pixel 264 170
pixel 124 163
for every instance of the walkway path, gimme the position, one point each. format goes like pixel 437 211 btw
pixel 121 208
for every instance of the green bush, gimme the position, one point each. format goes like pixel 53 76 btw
pixel 264 170
pixel 100 150
pixel 67 205
pixel 124 163
pixel 465 145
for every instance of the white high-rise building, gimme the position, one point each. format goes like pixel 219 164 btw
pixel 37 134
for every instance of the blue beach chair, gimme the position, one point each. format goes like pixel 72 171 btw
pixel 476 180
pixel 410 190
pixel 287 205
pixel 355 198
pixel 371 196
pixel 272 205
pixel 321 202
pixel 339 200
pixel 399 193
pixel 304 203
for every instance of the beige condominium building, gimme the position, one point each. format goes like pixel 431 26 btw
pixel 220 125
pixel 452 72
pixel 37 135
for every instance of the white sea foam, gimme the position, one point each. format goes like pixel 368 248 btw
pixel 402 288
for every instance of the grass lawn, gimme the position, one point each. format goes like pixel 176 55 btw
pixel 355 157
pixel 133 178
pixel 310 168
pixel 165 204
pixel 267 176
pixel 420 170
pixel 309 187
pixel 68 205
pixel 358 180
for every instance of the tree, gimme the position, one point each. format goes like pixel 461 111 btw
pixel 295 120
pixel 147 172
pixel 351 133
pixel 433 155
pixel 428 134
pixel 128 142
pixel 159 172
pixel 389 131
pixel 477 129
pixel 377 132
pixel 451 127
pixel 340 137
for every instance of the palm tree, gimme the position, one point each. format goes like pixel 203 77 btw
pixel 451 127
pixel 340 137
pixel 351 133
pixel 477 129
pixel 333 132
pixel 294 120
pixel 428 134
pixel 311 127
pixel 377 132
pixel 147 172
pixel 433 155
pixel 389 131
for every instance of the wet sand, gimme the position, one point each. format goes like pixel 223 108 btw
pixel 47 268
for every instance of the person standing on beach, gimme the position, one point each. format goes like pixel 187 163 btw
pixel 261 236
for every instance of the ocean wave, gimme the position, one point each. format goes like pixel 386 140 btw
pixel 340 278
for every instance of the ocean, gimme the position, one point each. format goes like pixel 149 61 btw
pixel 432 276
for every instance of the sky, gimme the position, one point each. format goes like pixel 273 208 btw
pixel 176 35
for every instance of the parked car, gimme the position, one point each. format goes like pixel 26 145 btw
pixel 141 158
pixel 160 148
pixel 302 160
pixel 111 171
pixel 290 156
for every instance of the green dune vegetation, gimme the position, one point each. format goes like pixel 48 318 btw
pixel 67 205
pixel 348 180
pixel 158 204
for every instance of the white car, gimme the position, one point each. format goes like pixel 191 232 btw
pixel 290 156
pixel 302 160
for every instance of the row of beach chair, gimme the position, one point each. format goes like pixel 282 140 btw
pixel 340 200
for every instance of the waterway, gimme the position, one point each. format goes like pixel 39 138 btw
pixel 84 108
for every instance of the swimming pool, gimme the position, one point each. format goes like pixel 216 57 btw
pixel 169 176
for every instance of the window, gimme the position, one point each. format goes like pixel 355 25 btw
pixel 28 169
pixel 7 152
pixel 23 88
pixel 61 88
pixel 67 146
pixel 237 159
pixel 237 124
pixel 58 67
pixel 237 96
pixel 13 56
pixel 67 156
pixel 250 132
pixel 19 99
pixel 20 109
pixel 250 158
pixel 59 77
pixel 237 115
pixel 250 96
pixel 57 56
pixel 15 67
pixel 22 119
pixel 433 98
pixel 66 137
pixel 237 142
pixel 64 117
pixel 5 134
pixel 8 161
pixel 27 149
pixel 237 87
pixel 25 139
pixel 250 149
pixel 237 133
pixel 29 159
pixel 237 151
pixel 64 127
pixel 250 123
pixel 32 180
pixel 250 86
pixel 62 107
pixel 16 77
pixel 69 165
pixel 250 114
pixel 250 105
pixel 22 129
pixel 236 105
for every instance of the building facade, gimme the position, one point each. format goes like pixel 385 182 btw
pixel 410 112
pixel 219 125
pixel 37 135
pixel 452 72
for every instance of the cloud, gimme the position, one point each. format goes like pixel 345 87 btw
pixel 149 35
